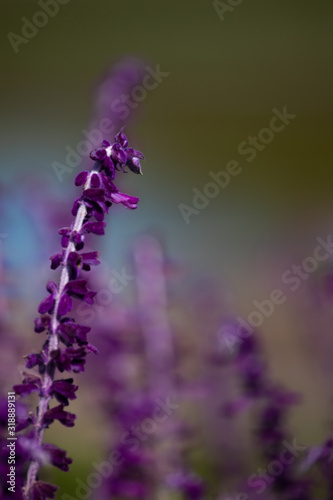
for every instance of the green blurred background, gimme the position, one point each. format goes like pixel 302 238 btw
pixel 224 80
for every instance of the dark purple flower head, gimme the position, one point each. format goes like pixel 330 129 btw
pixel 117 156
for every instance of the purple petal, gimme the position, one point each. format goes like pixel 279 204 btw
pixel 58 457
pixel 77 286
pixel 52 288
pixel 88 298
pixel 57 413
pixel 98 154
pixel 42 491
pixel 74 259
pixel 64 230
pixel 128 201
pixel 118 154
pixel 94 194
pixel 63 390
pixel 76 205
pixel 56 260
pixel 91 348
pixel 42 323
pixel 77 238
pixel 94 227
pixel 134 153
pixel 95 181
pixel 70 359
pixel 25 389
pixel 121 138
pixel 46 305
pixel 81 178
pixel 91 258
pixel 73 332
pixel 65 305
pixel 134 165
pixel 23 422
pixel 33 360
pixel 65 241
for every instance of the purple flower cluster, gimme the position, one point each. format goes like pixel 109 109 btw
pixel 66 347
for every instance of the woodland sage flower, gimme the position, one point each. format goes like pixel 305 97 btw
pixel 66 346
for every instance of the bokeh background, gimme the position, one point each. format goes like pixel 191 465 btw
pixel 225 77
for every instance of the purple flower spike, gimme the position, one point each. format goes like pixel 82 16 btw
pixel 66 346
